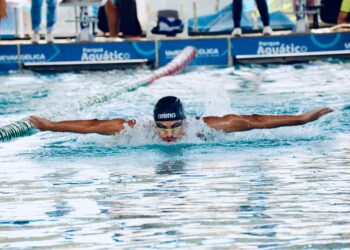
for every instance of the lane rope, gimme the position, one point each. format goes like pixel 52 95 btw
pixel 23 127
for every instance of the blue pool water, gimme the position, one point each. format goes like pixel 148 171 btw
pixel 286 188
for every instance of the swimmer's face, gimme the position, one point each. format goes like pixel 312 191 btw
pixel 170 131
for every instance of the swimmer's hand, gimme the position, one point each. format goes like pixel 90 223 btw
pixel 315 114
pixel 40 123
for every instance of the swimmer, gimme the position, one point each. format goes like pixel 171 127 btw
pixel 170 121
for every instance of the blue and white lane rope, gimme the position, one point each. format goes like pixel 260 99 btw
pixel 23 127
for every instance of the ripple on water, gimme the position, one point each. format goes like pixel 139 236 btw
pixel 286 188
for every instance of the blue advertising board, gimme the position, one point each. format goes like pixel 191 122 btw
pixel 78 52
pixel 209 51
pixel 8 58
pixel 290 44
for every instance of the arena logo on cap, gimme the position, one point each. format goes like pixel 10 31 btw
pixel 167 116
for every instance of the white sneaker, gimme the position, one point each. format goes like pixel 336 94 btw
pixel 237 32
pixel 35 38
pixel 267 31
pixel 49 38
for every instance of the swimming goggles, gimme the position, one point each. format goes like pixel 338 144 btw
pixel 175 127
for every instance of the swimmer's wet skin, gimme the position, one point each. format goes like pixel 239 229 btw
pixel 170 121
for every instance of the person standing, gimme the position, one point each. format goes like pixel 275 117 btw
pixel 237 8
pixel 50 19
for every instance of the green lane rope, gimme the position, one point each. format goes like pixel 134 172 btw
pixel 14 130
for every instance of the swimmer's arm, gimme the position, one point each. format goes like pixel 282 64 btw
pixel 227 123
pixel 104 127
pixel 235 123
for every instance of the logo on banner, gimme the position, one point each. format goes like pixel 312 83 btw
pixel 24 58
pixel 326 44
pixel 100 54
pixel 276 47
pixel 201 52
pixel 209 52
pixel 33 57
pixel 8 58
pixel 347 45
pixel 172 53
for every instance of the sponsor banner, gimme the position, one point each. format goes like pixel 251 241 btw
pixel 209 51
pixel 88 52
pixel 290 44
pixel 8 58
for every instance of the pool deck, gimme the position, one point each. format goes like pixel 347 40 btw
pixel 106 53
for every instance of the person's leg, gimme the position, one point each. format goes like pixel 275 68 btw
pixel 2 9
pixel 237 8
pixel 36 15
pixel 264 12
pixel 36 19
pixel 50 15
pixel 265 17
pixel 112 12
pixel 344 12
pixel 129 22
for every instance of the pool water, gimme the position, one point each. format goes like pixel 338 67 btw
pixel 285 188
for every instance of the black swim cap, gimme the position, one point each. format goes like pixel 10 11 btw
pixel 169 108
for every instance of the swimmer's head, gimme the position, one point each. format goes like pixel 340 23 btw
pixel 169 108
pixel 169 116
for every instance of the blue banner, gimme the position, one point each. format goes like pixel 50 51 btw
pixel 209 51
pixel 8 58
pixel 88 52
pixel 290 44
